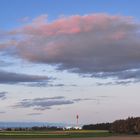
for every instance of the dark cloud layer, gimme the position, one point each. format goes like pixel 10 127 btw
pixel 13 78
pixel 46 103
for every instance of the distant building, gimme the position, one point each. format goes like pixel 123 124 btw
pixel 68 127
pixel 78 127
pixel 71 128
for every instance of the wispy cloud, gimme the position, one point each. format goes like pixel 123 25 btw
pixel 46 103
pixel 2 112
pixel 34 114
pixel 4 63
pixel 47 84
pixel 3 95
pixel 24 19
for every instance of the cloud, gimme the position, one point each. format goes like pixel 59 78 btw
pixel 2 112
pixel 24 19
pixel 124 82
pixel 3 95
pixel 90 44
pixel 14 78
pixel 43 84
pixel 4 63
pixel 62 85
pixel 7 44
pixel 46 103
pixel 121 78
pixel 34 114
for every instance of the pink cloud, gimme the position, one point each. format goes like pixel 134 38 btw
pixel 69 25
pixel 87 44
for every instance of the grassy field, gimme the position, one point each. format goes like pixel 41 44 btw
pixel 55 134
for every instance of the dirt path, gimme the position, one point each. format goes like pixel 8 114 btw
pixel 107 138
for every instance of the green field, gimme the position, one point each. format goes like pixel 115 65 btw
pixel 54 134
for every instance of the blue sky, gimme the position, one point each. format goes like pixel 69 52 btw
pixel 11 11
pixel 62 58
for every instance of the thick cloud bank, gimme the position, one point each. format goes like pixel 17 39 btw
pixel 96 43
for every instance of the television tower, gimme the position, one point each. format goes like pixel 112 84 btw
pixel 77 119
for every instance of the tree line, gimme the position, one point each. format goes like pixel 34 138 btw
pixel 35 128
pixel 100 126
pixel 130 125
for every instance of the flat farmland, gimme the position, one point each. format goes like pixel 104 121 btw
pixel 66 135
pixel 55 134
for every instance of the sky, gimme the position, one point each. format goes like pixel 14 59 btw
pixel 63 58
